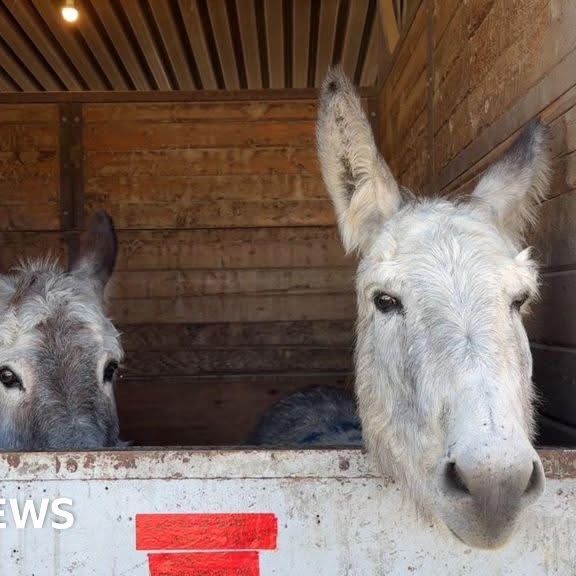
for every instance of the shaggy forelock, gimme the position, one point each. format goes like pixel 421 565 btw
pixel 38 290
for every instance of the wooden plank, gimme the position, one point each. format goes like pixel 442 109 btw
pixel 70 45
pixel 150 136
pixel 223 38
pixel 191 411
pixel 26 55
pixel 101 52
pixel 249 35
pixel 197 39
pixel 181 192
pixel 20 245
pixel 554 370
pixel 38 217
pixel 192 112
pixel 28 114
pixel 389 24
pixel 168 337
pixel 171 39
pixel 235 213
pixel 481 57
pixel 443 12
pixel 230 248
pixel 326 36
pixel 202 162
pixel 227 360
pixel 25 137
pixel 122 45
pixel 374 57
pixel 523 90
pixel 110 97
pixel 27 18
pixel 277 308
pixel 135 16
pixel 555 235
pixel 187 283
pixel 353 36
pixel 561 118
pixel 17 73
pixel 404 97
pixel 550 323
pixel 300 43
pixel 275 42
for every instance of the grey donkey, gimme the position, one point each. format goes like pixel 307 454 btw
pixel 443 363
pixel 59 352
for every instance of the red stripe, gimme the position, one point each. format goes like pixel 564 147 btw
pixel 206 531
pixel 205 564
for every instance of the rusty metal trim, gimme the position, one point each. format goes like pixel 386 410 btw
pixel 216 464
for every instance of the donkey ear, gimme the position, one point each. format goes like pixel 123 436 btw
pixel 96 255
pixel 515 185
pixel 360 183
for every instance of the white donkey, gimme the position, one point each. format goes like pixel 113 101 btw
pixel 443 365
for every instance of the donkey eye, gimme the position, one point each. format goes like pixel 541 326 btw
pixel 386 303
pixel 10 379
pixel 110 370
pixel 518 302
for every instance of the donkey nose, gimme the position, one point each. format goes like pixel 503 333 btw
pixel 495 486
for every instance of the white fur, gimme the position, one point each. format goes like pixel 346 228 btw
pixel 448 379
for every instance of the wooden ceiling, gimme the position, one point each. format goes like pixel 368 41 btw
pixel 186 45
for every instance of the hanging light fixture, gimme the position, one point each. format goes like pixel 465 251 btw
pixel 69 11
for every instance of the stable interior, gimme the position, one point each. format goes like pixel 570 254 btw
pixel 192 124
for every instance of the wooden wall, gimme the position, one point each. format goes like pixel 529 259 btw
pixel 467 77
pixel 231 289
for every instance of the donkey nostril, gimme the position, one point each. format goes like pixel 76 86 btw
pixel 454 480
pixel 536 481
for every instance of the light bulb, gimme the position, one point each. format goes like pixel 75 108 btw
pixel 70 12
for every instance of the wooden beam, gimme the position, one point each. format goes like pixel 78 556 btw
pixel 326 36
pixel 223 38
pixel 6 85
pixel 26 17
pixel 389 23
pixel 26 55
pixel 300 43
pixel 171 38
pixel 248 33
pixel 70 45
pixel 135 15
pixel 15 70
pixel 353 36
pixel 171 96
pixel 122 44
pixel 193 25
pixel 374 55
pixel 275 42
pixel 100 51
pixel 71 167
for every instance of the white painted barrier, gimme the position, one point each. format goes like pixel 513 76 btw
pixel 280 513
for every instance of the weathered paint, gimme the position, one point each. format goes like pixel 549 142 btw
pixel 333 514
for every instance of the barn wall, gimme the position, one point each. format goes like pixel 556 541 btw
pixel 467 77
pixel 231 289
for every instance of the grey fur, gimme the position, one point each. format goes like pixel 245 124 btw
pixel 319 416
pixel 55 336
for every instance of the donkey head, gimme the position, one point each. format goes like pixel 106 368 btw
pixel 59 351
pixel 443 365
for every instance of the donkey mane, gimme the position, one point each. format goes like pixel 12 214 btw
pixel 40 288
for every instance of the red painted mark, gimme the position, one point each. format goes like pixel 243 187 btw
pixel 205 564
pixel 206 531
